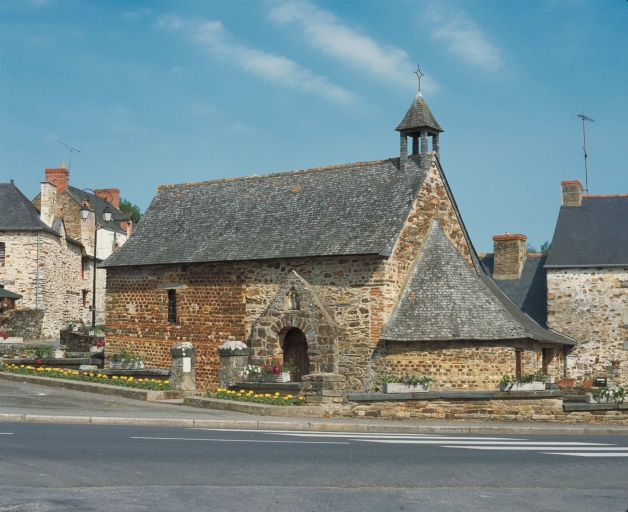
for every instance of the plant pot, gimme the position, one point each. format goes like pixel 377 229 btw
pixel 255 377
pixel 277 377
pixel 12 339
pixel 57 354
pixel 528 386
pixel 550 380
pixel 74 329
pixel 126 365
pixel 587 383
pixel 95 350
pixel 404 388
pixel 566 383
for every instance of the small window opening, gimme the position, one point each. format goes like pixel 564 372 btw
pixel 172 306
pixel 518 362
pixel 2 254
pixel 85 299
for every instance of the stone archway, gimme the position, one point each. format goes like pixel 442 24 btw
pixel 296 305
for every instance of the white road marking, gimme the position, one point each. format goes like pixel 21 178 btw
pixel 589 454
pixel 239 440
pixel 534 447
pixel 455 441
pixel 324 433
pixel 392 438
pixel 6 433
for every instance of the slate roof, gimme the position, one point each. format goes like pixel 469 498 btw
pixel 419 115
pixel 529 292
pixel 594 234
pixel 17 213
pixel 445 299
pixel 98 205
pixel 343 210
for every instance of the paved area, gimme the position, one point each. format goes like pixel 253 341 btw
pixel 98 468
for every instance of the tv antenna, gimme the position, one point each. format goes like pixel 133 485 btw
pixel 419 75
pixel 584 148
pixel 71 150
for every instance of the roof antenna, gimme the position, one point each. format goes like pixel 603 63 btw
pixel 71 150
pixel 584 149
pixel 419 75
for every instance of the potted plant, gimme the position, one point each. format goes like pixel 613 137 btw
pixel 253 373
pixel 125 361
pixel 532 382
pixel 587 381
pixel 606 395
pixel 278 372
pixel 566 382
pixel 57 353
pixel 615 362
pixel 43 352
pixel 405 384
pixel 99 347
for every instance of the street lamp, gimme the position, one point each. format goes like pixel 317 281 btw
pixel 106 215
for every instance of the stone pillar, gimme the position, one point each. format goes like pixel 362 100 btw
pixel 424 142
pixel 415 144
pixel 323 389
pixel 509 255
pixel 435 145
pixel 183 375
pixel 403 151
pixel 234 358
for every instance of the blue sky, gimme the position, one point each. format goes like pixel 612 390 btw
pixel 171 91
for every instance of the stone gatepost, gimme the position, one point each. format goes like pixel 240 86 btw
pixel 323 389
pixel 183 374
pixel 234 358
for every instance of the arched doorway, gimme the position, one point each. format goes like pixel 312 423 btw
pixel 295 348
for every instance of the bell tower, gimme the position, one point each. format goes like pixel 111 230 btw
pixel 418 123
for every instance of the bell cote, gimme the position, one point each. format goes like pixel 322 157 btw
pixel 418 123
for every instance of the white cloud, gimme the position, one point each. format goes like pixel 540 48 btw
pixel 326 33
pixel 466 39
pixel 217 41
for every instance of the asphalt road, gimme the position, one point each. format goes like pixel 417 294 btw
pixel 52 467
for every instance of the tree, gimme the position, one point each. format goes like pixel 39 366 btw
pixel 545 247
pixel 530 249
pixel 127 206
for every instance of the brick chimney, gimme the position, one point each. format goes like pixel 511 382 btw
pixel 59 177
pixel 509 255
pixel 572 193
pixel 110 194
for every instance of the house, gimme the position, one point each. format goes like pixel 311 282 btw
pixel 361 270
pixel 46 251
pixel 587 281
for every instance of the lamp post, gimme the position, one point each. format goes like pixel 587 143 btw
pixel 106 215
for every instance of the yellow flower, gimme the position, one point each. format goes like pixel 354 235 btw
pixel 21 366
pixel 277 393
pixel 105 377
pixel 166 382
pixel 267 395
pixel 285 398
pixel 301 398
pixel 115 377
pixel 48 369
pixel 40 369
pixel 239 395
pixel 140 380
pixel 160 383
pixel 74 373
pixel 289 396
pixel 130 379
pixel 99 375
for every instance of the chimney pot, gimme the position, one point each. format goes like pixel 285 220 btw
pixel 110 194
pixel 509 255
pixel 59 177
pixel 572 193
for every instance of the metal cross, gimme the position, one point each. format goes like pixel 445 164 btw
pixel 419 75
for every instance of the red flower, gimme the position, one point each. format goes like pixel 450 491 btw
pixel 38 361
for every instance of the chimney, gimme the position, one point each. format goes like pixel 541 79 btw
pixel 129 228
pixel 48 202
pixel 59 177
pixel 87 230
pixel 110 194
pixel 572 193
pixel 509 255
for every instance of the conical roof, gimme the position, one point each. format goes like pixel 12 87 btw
pixel 418 116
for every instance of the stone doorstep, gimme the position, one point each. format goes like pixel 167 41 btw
pixel 91 387
pixel 573 407
pixel 453 395
pixel 288 411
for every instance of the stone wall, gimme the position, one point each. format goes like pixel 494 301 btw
pixel 496 409
pixel 592 306
pixel 56 276
pixel 77 341
pixel 462 365
pixel 26 323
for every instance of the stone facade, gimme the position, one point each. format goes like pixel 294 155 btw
pixel 27 323
pixel 52 274
pixel 592 306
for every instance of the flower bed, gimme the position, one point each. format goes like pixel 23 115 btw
pixel 261 398
pixel 86 376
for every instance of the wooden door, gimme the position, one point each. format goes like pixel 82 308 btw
pixel 295 348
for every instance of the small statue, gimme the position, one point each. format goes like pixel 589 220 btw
pixel 295 303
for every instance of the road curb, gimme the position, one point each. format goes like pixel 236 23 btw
pixel 313 425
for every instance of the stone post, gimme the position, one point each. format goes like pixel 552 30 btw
pixel 234 358
pixel 183 375
pixel 424 142
pixel 403 150
pixel 323 389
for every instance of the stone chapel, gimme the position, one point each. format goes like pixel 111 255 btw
pixel 361 270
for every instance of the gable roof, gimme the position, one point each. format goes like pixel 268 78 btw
pixel 529 292
pixel 343 210
pixel 18 213
pixel 97 204
pixel 444 298
pixel 419 115
pixel 594 234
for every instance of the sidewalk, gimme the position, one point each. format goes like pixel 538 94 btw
pixel 21 402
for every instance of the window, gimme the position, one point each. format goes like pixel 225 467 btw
pixel 83 269
pixel 85 301
pixel 518 362
pixel 2 254
pixel 172 306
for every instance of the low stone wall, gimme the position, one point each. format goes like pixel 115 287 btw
pixel 27 323
pixel 75 341
pixel 544 406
